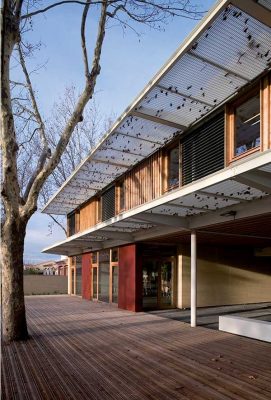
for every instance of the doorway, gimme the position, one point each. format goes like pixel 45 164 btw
pixel 158 276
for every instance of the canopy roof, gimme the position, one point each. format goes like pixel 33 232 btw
pixel 228 49
pixel 234 193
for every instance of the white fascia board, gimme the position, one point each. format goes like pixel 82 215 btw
pixel 242 166
pixel 206 21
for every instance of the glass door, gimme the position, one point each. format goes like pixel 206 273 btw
pixel 94 283
pixel 115 284
pixel 150 284
pixel 166 282
pixel 73 281
pixel 158 283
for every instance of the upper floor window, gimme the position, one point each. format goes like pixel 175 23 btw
pixel 120 197
pixel 99 209
pixel 115 255
pixel 247 125
pixel 94 257
pixel 173 167
pixel 108 204
pixel 72 224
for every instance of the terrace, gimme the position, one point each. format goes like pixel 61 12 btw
pixel 80 349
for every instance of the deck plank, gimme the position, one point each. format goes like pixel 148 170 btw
pixel 84 350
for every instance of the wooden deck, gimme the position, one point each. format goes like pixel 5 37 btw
pixel 82 350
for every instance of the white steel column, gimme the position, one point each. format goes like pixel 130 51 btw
pixel 193 301
pixel 69 276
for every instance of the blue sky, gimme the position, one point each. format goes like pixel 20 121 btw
pixel 128 63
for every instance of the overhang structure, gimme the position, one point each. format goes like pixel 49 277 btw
pixel 226 52
pixel 233 194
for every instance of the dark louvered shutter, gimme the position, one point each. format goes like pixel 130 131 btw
pixel 203 150
pixel 108 204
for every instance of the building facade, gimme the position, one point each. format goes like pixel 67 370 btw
pixel 172 208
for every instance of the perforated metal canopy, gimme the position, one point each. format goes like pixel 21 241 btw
pixel 228 50
pixel 231 194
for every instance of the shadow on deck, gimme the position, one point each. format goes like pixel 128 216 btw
pixel 208 316
pixel 84 350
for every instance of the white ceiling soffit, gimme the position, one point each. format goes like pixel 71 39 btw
pixel 198 206
pixel 226 51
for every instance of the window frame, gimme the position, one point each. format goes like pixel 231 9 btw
pixel 167 186
pixel 76 215
pixel 119 186
pixel 230 118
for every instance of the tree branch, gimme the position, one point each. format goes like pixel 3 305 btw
pixel 83 38
pixel 31 203
pixel 84 3
pixel 36 113
pixel 58 223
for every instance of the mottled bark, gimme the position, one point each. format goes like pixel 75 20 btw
pixel 18 209
pixel 13 307
pixel 13 228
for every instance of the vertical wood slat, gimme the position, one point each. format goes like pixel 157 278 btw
pixel 265 110
pixel 229 134
pixel 144 182
pixel 88 215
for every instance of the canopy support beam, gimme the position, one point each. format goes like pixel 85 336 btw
pixel 158 120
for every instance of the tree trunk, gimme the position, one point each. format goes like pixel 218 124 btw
pixel 13 307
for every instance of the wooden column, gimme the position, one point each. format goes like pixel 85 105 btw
pixel 266 113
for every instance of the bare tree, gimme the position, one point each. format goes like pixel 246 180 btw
pixel 21 188
pixel 84 137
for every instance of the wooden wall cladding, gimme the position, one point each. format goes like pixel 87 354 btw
pixel 88 215
pixel 266 113
pixel 144 182
pixel 148 180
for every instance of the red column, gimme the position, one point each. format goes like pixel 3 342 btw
pixel 86 276
pixel 129 279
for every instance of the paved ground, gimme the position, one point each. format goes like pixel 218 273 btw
pixel 82 350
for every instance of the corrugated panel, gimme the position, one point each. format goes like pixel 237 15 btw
pixel 227 55
pixel 231 188
pixel 108 204
pixel 204 202
pixel 203 150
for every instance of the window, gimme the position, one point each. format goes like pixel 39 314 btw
pixel 247 125
pixel 108 204
pixel 173 167
pixel 71 224
pixel 115 255
pixel 244 122
pixel 94 262
pixel 103 276
pixel 78 277
pixel 99 209
pixel 115 283
pixel 94 257
pixel 121 197
pixel 203 150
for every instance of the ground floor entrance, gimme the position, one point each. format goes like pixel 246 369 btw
pixel 158 276
pixel 158 282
